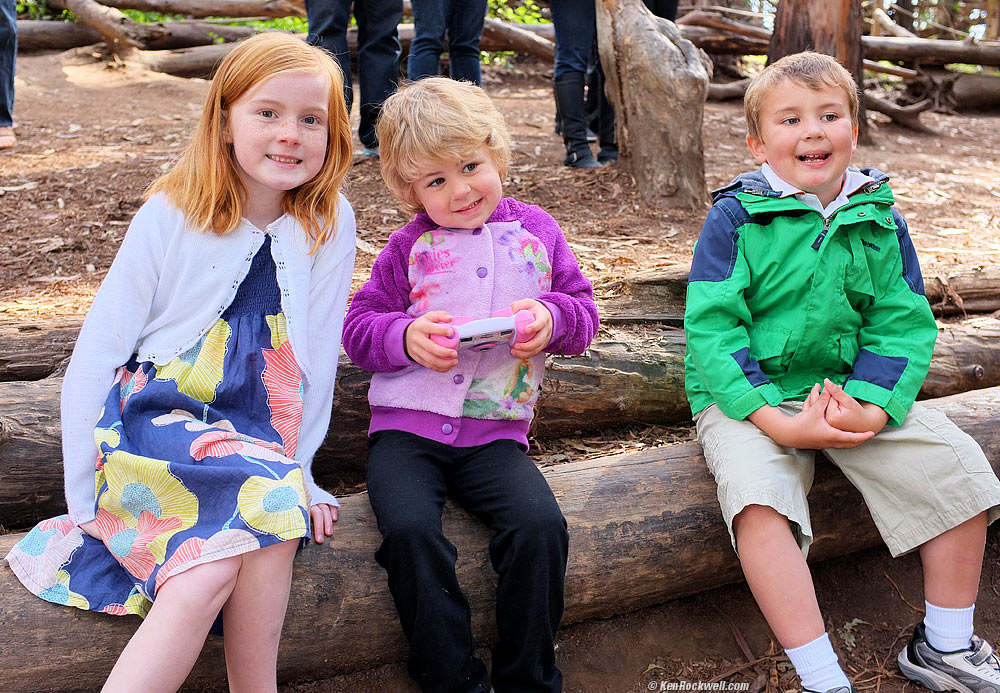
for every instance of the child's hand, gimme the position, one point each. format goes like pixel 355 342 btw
pixel 323 515
pixel 540 330
pixel 809 429
pixel 426 351
pixel 91 529
pixel 848 414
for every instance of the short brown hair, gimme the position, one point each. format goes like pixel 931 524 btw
pixel 436 119
pixel 813 70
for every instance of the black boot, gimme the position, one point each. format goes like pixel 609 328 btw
pixel 606 126
pixel 573 118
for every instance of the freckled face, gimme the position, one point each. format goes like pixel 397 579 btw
pixel 807 137
pixel 279 132
pixel 460 193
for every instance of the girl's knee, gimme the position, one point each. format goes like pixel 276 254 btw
pixel 205 586
pixel 759 518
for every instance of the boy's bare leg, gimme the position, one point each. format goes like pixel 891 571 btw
pixel 952 562
pixel 778 575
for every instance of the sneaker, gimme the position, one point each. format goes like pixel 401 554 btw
pixel 975 670
pixel 838 689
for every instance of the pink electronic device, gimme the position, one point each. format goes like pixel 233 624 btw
pixel 486 333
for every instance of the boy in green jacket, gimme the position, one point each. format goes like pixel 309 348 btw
pixel 807 329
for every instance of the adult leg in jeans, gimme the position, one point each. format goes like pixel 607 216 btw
pixel 575 29
pixel 407 485
pixel 378 61
pixel 328 21
pixel 430 23
pixel 465 28
pixel 502 486
pixel 8 53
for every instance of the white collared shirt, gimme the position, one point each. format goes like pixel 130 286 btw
pixel 853 181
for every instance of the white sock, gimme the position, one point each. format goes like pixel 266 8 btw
pixel 817 666
pixel 948 630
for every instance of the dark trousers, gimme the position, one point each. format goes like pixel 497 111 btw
pixel 378 51
pixel 8 55
pixel 462 22
pixel 409 478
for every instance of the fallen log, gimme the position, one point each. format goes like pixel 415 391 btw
pixel 629 376
pixel 644 528
pixel 121 34
pixel 35 35
pixel 644 373
pixel 659 294
pixel 215 8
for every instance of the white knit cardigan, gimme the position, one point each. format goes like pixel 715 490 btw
pixel 166 288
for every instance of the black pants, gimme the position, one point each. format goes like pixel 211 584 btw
pixel 409 478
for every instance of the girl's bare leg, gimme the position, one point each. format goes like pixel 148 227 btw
pixel 252 618
pixel 164 648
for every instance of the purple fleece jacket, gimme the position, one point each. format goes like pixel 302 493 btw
pixel 519 253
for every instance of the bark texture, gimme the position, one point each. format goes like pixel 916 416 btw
pixel 644 527
pixel 657 81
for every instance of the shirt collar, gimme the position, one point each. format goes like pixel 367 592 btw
pixel 853 181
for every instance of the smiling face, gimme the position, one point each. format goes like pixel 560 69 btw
pixel 459 193
pixel 279 133
pixel 807 136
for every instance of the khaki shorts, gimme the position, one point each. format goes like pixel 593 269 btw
pixel 918 480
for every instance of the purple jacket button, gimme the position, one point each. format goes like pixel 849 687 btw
pixel 459 379
pixel 482 272
pixel 446 429
pixel 477 231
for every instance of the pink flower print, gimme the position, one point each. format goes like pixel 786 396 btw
pixel 61 524
pixel 130 383
pixel 187 552
pixel 216 443
pixel 284 394
pixel 130 546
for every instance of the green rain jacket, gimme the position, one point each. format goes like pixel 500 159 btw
pixel 780 297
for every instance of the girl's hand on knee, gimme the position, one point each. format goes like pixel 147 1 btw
pixel 323 516
pixel 91 529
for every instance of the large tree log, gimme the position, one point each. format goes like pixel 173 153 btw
pixel 34 35
pixel 633 376
pixel 120 33
pixel 644 528
pixel 931 51
pixel 657 81
pixel 215 8
pixel 659 294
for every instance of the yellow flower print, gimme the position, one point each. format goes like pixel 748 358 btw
pixel 279 329
pixel 198 371
pixel 275 506
pixel 60 593
pixel 142 484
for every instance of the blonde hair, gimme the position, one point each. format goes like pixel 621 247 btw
pixel 205 183
pixel 813 70
pixel 436 119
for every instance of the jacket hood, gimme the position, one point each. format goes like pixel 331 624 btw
pixel 754 182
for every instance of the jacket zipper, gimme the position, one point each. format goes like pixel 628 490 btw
pixel 829 220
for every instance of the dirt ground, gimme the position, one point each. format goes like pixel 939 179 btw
pixel 92 136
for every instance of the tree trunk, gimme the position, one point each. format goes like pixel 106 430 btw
pixel 644 528
pixel 630 376
pixel 833 27
pixel 657 81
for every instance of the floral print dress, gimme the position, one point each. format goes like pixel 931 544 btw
pixel 194 465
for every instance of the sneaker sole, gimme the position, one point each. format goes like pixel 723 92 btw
pixel 933 680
